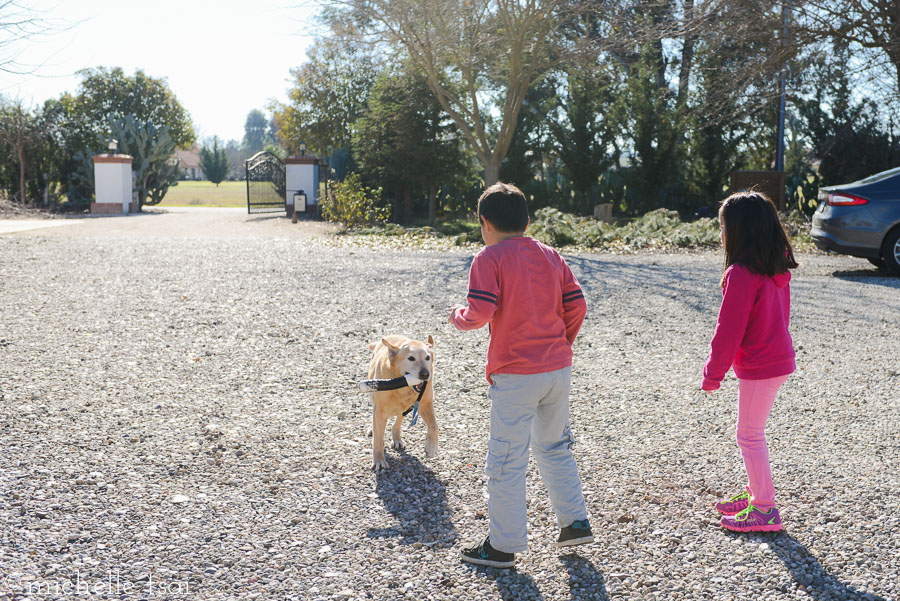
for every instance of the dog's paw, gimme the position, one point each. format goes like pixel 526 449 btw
pixel 398 445
pixel 379 464
pixel 431 449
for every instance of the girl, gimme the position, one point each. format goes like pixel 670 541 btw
pixel 752 334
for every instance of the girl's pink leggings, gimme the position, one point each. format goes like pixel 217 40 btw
pixel 755 399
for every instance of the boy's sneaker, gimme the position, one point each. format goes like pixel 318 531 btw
pixel 735 504
pixel 484 554
pixel 753 519
pixel 578 533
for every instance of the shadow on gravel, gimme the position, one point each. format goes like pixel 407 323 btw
pixel 511 585
pixel 806 570
pixel 586 582
pixel 418 500
pixel 689 286
pixel 869 276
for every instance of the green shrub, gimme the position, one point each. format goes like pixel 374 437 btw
pixel 552 226
pixel 353 204
pixel 659 228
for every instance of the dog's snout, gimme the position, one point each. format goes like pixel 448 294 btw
pixel 424 374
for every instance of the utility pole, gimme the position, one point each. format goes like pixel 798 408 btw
pixel 779 154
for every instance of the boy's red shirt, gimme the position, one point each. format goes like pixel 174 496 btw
pixel 532 301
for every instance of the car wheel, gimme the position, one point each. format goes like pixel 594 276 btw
pixel 890 251
pixel 879 263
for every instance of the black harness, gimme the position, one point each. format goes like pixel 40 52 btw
pixel 394 384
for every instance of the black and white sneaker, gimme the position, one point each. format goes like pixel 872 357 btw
pixel 484 554
pixel 578 533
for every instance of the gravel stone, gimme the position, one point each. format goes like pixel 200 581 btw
pixel 179 420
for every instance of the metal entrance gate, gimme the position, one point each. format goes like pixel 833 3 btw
pixel 265 183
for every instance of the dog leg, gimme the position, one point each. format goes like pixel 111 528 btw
pixel 398 444
pixel 379 422
pixel 426 410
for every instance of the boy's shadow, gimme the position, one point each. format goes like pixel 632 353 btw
pixel 586 583
pixel 806 570
pixel 512 585
pixel 418 500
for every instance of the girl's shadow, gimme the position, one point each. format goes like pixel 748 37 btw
pixel 806 570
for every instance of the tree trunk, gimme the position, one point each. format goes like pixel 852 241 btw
pixel 432 203
pixel 407 210
pixel 491 171
pixel 20 153
pixel 687 54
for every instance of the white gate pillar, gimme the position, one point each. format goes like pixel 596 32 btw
pixel 113 184
pixel 301 175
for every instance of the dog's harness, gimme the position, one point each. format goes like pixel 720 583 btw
pixel 395 383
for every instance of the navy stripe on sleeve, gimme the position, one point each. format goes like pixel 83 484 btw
pixel 483 293
pixel 479 297
pixel 567 298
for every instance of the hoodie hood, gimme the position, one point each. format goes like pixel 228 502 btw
pixel 782 279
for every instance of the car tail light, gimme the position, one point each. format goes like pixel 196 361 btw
pixel 843 200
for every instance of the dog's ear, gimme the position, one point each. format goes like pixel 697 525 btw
pixel 430 341
pixel 372 346
pixel 392 350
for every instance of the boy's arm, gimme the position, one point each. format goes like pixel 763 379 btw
pixel 737 303
pixel 574 305
pixel 484 293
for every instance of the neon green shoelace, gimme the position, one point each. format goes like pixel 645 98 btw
pixel 739 496
pixel 743 515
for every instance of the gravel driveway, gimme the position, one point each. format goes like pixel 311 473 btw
pixel 178 421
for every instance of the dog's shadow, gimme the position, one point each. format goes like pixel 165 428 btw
pixel 806 570
pixel 417 498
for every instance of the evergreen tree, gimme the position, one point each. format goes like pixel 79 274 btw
pixel 214 162
pixel 255 128
pixel 406 143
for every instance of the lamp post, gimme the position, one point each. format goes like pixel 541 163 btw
pixel 302 149
pixel 113 146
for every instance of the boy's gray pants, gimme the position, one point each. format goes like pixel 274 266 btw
pixel 530 410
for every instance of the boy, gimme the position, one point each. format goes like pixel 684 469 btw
pixel 535 307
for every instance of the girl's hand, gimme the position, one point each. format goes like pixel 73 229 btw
pixel 709 385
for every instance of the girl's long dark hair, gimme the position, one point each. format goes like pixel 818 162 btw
pixel 754 235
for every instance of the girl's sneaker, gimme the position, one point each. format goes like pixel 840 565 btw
pixel 753 519
pixel 735 504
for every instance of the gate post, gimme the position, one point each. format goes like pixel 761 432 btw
pixel 113 184
pixel 301 175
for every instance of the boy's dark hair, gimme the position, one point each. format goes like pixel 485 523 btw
pixel 505 207
pixel 754 235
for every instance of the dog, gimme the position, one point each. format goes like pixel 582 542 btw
pixel 394 357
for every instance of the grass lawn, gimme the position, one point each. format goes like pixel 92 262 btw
pixel 206 194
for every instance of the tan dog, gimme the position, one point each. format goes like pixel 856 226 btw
pixel 394 357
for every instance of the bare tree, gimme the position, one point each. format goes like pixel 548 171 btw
pixel 873 26
pixel 21 21
pixel 479 57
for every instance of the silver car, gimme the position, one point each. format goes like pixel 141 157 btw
pixel 861 219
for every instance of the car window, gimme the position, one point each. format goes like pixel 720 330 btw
pixel 880 176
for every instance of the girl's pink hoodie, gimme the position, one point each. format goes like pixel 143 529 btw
pixel 752 330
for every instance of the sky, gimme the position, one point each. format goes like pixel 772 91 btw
pixel 221 58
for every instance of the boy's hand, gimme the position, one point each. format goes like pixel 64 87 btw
pixel 453 310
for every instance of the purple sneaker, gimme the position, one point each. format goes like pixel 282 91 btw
pixel 753 519
pixel 735 504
